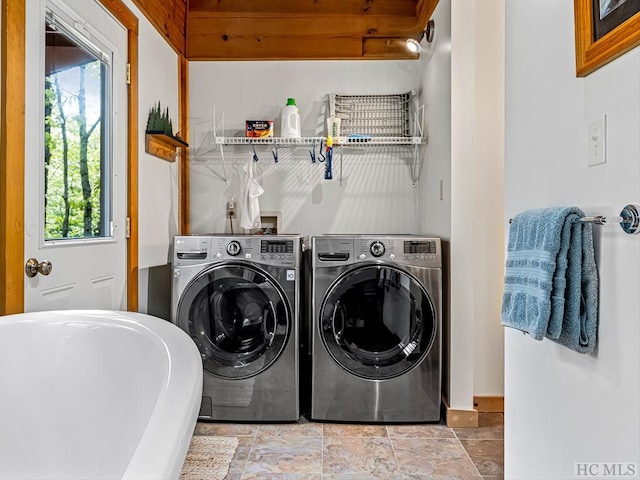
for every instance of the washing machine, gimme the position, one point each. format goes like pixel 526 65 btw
pixel 375 331
pixel 238 297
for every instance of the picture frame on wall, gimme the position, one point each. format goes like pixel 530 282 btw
pixel 604 30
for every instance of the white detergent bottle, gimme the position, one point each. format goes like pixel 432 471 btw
pixel 290 126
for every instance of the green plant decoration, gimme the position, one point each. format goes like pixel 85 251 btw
pixel 159 121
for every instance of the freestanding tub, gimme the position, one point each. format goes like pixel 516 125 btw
pixel 96 395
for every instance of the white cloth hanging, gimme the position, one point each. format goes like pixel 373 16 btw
pixel 250 206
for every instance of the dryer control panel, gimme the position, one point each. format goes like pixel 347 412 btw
pixel 334 250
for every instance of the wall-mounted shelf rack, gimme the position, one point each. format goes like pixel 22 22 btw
pixel 340 141
pixel 392 110
pixel 163 146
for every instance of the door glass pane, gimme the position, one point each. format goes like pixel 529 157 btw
pixel 76 154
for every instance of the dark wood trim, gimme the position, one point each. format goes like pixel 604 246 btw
pixel 12 138
pixel 183 175
pixel 126 17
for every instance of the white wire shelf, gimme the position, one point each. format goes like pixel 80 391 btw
pixel 340 141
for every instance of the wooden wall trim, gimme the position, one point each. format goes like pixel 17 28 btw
pixel 459 418
pixel 183 175
pixel 12 118
pixel 122 13
pixel 126 17
pixel 489 403
pixel 132 174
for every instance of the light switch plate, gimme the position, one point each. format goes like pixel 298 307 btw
pixel 597 138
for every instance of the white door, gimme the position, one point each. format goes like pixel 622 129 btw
pixel 76 156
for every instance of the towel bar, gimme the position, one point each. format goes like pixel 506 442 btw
pixel 629 219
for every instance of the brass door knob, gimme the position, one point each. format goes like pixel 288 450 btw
pixel 33 267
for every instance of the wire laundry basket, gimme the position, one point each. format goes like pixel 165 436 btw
pixel 373 116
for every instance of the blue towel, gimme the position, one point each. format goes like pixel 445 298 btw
pixel 551 280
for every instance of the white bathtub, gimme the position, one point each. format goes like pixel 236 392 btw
pixel 95 395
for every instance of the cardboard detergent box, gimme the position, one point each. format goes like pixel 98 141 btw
pixel 259 128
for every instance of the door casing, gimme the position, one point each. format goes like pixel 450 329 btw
pixel 12 138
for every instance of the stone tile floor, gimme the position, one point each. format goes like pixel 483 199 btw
pixel 325 451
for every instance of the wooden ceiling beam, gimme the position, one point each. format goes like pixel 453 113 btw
pixel 406 8
pixel 241 37
pixel 386 49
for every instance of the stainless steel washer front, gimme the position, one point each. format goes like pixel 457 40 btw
pixel 375 330
pixel 238 299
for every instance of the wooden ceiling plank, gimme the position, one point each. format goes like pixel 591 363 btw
pixel 317 26
pixel 168 18
pixel 272 48
pixel 322 7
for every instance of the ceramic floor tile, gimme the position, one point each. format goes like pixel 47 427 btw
pixel 240 457
pixel 274 454
pixel 225 429
pixel 490 427
pixel 420 431
pixel 281 476
pixel 439 458
pixel 356 476
pixel 358 455
pixel 487 455
pixel 350 430
pixel 291 430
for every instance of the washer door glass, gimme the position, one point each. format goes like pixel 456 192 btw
pixel 377 321
pixel 238 317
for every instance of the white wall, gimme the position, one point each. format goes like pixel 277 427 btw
pixel 486 232
pixel 562 407
pixel 463 90
pixel 157 179
pixel 376 195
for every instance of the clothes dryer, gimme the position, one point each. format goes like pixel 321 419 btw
pixel 238 299
pixel 376 304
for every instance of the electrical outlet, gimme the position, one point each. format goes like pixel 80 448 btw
pixel 231 208
pixel 597 136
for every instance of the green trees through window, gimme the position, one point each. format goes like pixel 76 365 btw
pixel 75 159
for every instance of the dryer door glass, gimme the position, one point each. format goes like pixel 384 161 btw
pixel 238 317
pixel 377 322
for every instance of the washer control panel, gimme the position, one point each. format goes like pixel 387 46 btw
pixel 267 250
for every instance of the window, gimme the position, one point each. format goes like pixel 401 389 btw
pixel 77 161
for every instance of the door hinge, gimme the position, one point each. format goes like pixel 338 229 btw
pixel 127 227
pixel 128 74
